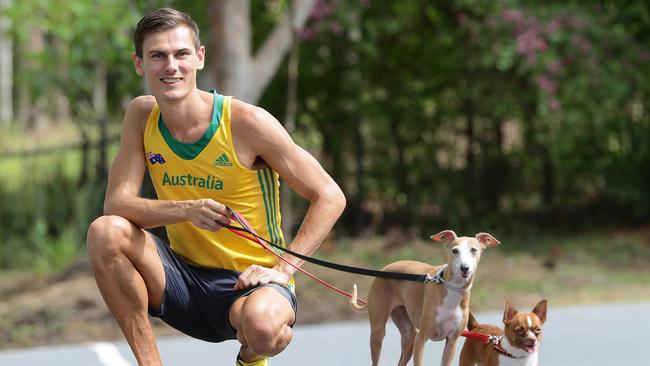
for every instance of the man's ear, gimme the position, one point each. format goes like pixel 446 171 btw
pixel 200 53
pixel 137 62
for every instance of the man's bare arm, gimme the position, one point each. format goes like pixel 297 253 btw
pixel 125 180
pixel 300 170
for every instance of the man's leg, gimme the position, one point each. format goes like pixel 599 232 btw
pixel 130 277
pixel 263 322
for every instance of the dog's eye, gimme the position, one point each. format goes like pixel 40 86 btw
pixel 455 251
pixel 519 331
pixel 538 330
pixel 473 250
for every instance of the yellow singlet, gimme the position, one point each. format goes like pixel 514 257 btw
pixel 209 168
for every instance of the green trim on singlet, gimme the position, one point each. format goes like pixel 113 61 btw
pixel 191 151
pixel 274 207
pixel 269 206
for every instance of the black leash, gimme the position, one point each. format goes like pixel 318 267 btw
pixel 337 266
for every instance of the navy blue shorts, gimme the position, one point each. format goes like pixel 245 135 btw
pixel 197 300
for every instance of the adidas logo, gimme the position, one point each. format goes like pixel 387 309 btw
pixel 222 161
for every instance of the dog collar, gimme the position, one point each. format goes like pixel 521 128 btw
pixel 497 347
pixel 493 340
pixel 438 278
pixel 502 351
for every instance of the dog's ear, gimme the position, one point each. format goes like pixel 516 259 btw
pixel 540 310
pixel 487 240
pixel 471 321
pixel 509 312
pixel 445 236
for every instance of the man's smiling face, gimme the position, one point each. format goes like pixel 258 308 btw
pixel 170 62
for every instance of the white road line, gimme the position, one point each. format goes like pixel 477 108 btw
pixel 109 355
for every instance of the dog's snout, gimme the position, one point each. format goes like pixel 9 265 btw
pixel 464 267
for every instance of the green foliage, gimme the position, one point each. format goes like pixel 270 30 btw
pixel 60 44
pixel 480 114
pixel 44 221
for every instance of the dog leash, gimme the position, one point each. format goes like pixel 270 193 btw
pixel 245 228
pixel 493 340
pixel 481 337
pixel 253 236
pixel 246 231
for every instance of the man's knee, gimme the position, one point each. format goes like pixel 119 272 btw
pixel 263 334
pixel 107 236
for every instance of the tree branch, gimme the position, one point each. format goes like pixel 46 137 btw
pixel 273 50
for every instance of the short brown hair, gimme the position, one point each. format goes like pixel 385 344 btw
pixel 162 20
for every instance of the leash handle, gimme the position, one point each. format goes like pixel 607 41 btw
pixel 256 238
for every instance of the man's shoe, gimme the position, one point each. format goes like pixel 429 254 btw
pixel 263 362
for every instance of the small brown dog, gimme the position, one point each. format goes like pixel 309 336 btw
pixel 434 310
pixel 518 343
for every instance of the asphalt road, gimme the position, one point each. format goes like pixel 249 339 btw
pixel 612 334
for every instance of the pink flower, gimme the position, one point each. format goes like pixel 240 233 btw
pixel 553 26
pixel 531 59
pixel 512 15
pixel 336 28
pixel 523 43
pixel 555 67
pixel 321 10
pixel 307 34
pixel 530 41
pixel 555 105
pixel 546 84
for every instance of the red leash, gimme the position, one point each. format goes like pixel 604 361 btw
pixel 495 341
pixel 241 232
pixel 483 338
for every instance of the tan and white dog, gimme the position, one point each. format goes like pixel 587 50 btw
pixel 519 340
pixel 434 310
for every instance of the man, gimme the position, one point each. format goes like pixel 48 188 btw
pixel 204 152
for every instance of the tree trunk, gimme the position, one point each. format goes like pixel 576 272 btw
pixel 270 55
pixel 6 68
pixel 34 109
pixel 236 72
pixel 230 51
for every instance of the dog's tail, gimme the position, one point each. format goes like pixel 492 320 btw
pixel 471 322
pixel 353 301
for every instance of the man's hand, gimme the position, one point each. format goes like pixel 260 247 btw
pixel 257 275
pixel 207 214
